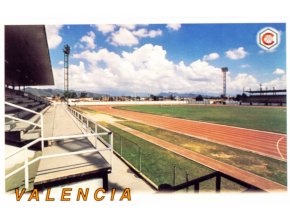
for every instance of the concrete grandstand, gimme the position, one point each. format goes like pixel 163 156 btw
pixel 45 145
pixel 265 97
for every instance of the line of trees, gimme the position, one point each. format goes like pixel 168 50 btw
pixel 68 94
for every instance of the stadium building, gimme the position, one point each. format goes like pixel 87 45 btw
pixel 275 97
pixel 50 144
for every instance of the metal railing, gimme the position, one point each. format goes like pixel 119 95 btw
pixel 196 183
pixel 25 148
pixel 26 121
pixel 94 127
pixel 27 163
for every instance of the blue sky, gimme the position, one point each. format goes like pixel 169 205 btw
pixel 130 59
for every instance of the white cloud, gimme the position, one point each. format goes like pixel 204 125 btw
pixel 147 70
pixel 126 34
pixel 240 82
pixel 128 26
pixel 278 83
pixel 77 76
pixel 245 66
pixel 123 37
pixel 89 39
pixel 106 28
pixel 173 27
pixel 236 54
pixel 53 37
pixel 143 33
pixel 211 56
pixel 279 71
pixel 79 45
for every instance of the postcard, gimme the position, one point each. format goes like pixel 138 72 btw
pixel 116 113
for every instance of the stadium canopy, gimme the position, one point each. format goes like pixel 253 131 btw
pixel 27 60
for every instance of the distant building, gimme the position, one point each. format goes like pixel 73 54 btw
pixel 265 97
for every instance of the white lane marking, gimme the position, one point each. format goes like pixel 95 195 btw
pixel 277 146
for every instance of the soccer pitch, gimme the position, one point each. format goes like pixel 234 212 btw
pixel 259 118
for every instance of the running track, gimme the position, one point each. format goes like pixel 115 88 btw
pixel 265 143
pixel 245 176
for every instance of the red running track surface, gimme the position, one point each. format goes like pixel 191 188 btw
pixel 265 143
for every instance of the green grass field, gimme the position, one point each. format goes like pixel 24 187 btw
pixel 264 166
pixel 158 164
pixel 17 180
pixel 267 119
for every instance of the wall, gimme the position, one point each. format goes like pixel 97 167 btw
pixel 128 103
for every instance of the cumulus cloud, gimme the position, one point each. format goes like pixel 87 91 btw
pixel 146 69
pixel 279 71
pixel 128 26
pixel 241 81
pixel 89 39
pixel 123 37
pixel 106 28
pixel 173 27
pixel 278 83
pixel 211 56
pixel 53 37
pixel 128 36
pixel 236 54
pixel 143 33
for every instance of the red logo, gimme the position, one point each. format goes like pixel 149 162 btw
pixel 268 38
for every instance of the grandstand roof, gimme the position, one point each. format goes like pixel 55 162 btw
pixel 27 60
pixel 268 91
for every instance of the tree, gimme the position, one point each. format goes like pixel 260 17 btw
pixel 199 98
pixel 66 94
pixel 83 95
pixel 73 95
pixel 223 96
pixel 238 97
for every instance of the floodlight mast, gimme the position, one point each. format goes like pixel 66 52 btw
pixel 66 51
pixel 225 70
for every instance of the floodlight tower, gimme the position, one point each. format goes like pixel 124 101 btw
pixel 66 51
pixel 225 70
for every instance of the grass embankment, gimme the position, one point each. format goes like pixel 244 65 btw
pixel 264 166
pixel 267 119
pixel 17 180
pixel 84 109
pixel 158 164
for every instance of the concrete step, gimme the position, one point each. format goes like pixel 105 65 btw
pixel 11 109
pixel 9 119
pixel 31 135
pixel 67 169
pixel 10 124
pixel 20 139
pixel 21 102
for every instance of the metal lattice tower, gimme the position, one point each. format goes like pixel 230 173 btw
pixel 66 51
pixel 225 70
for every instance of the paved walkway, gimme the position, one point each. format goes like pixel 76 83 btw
pixel 59 122
pixel 235 172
